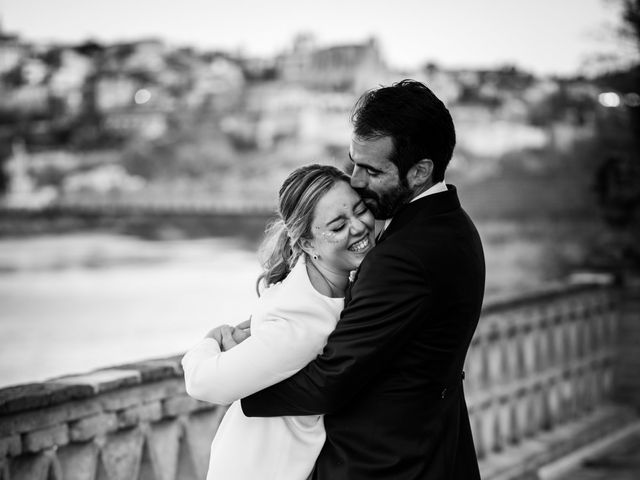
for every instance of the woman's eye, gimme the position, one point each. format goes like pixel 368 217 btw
pixel 338 228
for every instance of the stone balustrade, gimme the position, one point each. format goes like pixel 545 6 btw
pixel 539 384
pixel 126 423
pixel 540 377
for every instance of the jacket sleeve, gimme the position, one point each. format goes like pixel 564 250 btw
pixel 260 361
pixel 389 301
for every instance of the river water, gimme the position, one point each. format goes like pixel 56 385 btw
pixel 73 302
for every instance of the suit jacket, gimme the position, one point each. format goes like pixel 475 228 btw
pixel 389 379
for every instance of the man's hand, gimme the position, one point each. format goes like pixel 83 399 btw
pixel 228 336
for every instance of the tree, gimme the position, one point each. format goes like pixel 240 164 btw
pixel 616 180
pixel 631 21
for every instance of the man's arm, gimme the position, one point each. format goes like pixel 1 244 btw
pixel 389 301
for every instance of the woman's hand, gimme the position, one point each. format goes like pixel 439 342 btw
pixel 242 331
pixel 228 337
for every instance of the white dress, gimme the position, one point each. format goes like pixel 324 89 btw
pixel 289 328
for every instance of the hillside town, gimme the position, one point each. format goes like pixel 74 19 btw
pixel 146 119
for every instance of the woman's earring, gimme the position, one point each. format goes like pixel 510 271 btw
pixel 315 257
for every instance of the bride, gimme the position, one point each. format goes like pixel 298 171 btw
pixel 323 232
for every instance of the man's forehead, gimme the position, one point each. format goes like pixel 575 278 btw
pixel 381 142
pixel 376 150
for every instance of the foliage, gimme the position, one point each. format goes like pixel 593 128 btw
pixel 13 78
pixel 564 104
pixel 631 19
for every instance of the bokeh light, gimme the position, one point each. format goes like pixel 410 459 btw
pixel 142 96
pixel 632 99
pixel 609 99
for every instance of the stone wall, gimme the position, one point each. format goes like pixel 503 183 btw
pixel 539 384
pixel 129 422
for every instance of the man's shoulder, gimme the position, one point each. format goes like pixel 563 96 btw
pixel 425 225
pixel 427 238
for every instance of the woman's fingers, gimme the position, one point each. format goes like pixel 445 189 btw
pixel 244 325
pixel 216 334
pixel 228 336
pixel 228 342
pixel 240 335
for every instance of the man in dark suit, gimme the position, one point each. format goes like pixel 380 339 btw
pixel 389 380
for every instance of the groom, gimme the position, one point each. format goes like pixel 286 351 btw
pixel 389 380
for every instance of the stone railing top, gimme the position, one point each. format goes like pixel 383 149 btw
pixel 59 390
pixel 31 396
pixel 500 302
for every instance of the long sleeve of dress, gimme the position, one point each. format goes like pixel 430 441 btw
pixel 289 330
pixel 274 351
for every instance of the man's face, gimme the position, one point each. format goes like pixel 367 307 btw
pixel 376 178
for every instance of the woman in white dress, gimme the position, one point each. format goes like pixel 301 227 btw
pixel 323 232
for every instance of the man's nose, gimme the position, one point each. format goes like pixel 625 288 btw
pixel 358 177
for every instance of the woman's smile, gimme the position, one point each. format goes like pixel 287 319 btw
pixel 361 245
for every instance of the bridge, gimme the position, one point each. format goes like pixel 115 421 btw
pixel 196 217
pixel 550 375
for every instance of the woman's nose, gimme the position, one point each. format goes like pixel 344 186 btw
pixel 357 226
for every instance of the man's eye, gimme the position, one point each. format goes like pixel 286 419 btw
pixel 371 173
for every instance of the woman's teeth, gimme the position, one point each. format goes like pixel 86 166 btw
pixel 360 246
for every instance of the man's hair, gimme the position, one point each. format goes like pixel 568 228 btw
pixel 416 120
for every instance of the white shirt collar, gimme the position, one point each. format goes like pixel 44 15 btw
pixel 435 188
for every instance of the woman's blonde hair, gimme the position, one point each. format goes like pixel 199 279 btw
pixel 297 200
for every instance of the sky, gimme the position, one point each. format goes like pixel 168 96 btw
pixel 541 36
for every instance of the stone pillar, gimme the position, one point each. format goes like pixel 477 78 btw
pixel 627 378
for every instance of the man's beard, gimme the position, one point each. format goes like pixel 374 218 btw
pixel 386 204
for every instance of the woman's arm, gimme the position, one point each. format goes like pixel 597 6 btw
pixel 276 349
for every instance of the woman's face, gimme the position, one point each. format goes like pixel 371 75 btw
pixel 342 229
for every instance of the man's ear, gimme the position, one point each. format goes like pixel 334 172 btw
pixel 420 174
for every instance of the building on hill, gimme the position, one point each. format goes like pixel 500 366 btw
pixel 140 56
pixel 23 191
pixel 114 92
pixel 68 80
pixel 217 84
pixel 147 123
pixel 12 51
pixel 353 67
pixel 444 83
